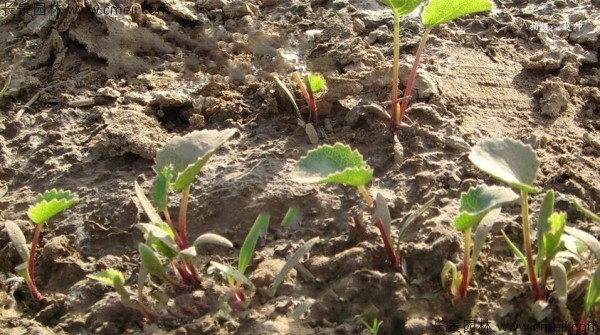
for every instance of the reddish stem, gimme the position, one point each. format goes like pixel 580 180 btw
pixel 394 107
pixel 464 284
pixel 34 243
pixel 388 247
pixel 582 322
pixel 357 224
pixel 413 74
pixel 185 196
pixel 308 96
pixel 186 276
pixel 178 239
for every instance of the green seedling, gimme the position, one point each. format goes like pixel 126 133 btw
pixel 177 165
pixel 383 221
pixel 115 279
pixel 373 327
pixel 335 164
pixel 516 164
pixel 5 87
pixel 592 298
pixel 436 12
pixel 236 277
pixel 309 86
pixel 289 95
pixel 291 216
pixel 586 211
pixel 46 206
pixel 399 8
pixel 480 207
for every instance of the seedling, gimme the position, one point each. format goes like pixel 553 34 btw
pixel 436 12
pixel 46 206
pixel 236 277
pixel 5 87
pixel 399 8
pixel 313 83
pixel 373 327
pixel 290 264
pixel 177 165
pixel 479 206
pixel 515 164
pixel 335 164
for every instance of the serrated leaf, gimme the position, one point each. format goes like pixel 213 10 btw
pixel 108 277
pixel 146 205
pixel 210 238
pixel 333 164
pixel 151 262
pixel 477 201
pixel 586 238
pixel 402 7
pixel 160 190
pixel 18 239
pixel 316 82
pixel 261 223
pixel 484 227
pixel 290 264
pixel 49 204
pixel 188 154
pixel 229 272
pixel 442 11
pixel 507 160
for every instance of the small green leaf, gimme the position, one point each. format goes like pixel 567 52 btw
pixel 289 95
pixel 188 154
pixel 161 238
pixel 514 248
pixel 442 11
pixel 333 164
pixel 160 191
pixel 402 7
pixel 18 239
pixel 593 293
pixel 509 161
pixel 261 223
pixel 49 204
pixel 290 217
pixel 316 81
pixel 543 225
pixel 230 272
pixel 146 205
pixel 151 262
pixel 478 201
pixel 553 236
pixel 290 264
pixel 108 277
pixel 586 211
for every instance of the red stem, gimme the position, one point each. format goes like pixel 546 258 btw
pixel 34 242
pixel 357 224
pixel 464 284
pixel 308 97
pixel 413 74
pixel 178 239
pixel 388 247
pixel 185 196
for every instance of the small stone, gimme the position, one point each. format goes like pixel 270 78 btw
pixel 109 92
pixel 313 136
pixel 554 98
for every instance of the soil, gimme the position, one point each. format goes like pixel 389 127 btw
pixel 94 96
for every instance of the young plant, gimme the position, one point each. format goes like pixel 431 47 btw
pixel 313 83
pixel 115 279
pixel 515 164
pixel 177 165
pixel 335 164
pixel 479 206
pixel 437 12
pixel 373 327
pixel 5 87
pixel 236 277
pixel 399 8
pixel 46 206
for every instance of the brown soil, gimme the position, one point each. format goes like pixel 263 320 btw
pixel 111 89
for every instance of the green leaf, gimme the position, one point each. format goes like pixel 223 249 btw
pixel 161 238
pixel 261 223
pixel 290 216
pixel 478 201
pixel 186 155
pixel 553 236
pixel 210 238
pixel 108 277
pixel 5 87
pixel 401 7
pixel 333 164
pixel 289 95
pixel 593 293
pixel 230 272
pixel 442 11
pixel 514 248
pixel 586 238
pixel 316 81
pixel 18 239
pixel 160 191
pixel 49 204
pixel 543 225
pixel 586 211
pixel 481 232
pixel 151 262
pixel 290 264
pixel 455 278
pixel 146 205
pixel 507 160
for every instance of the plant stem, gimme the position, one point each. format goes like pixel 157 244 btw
pixel 172 227
pixel 394 108
pixel 413 74
pixel 311 103
pixel 464 284
pixel 357 224
pixel 366 196
pixel 34 243
pixel 527 245
pixel 185 196
pixel 388 246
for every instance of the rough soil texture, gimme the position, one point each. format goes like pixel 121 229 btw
pixel 113 88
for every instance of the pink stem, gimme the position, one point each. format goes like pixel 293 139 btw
pixel 388 247
pixel 34 242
